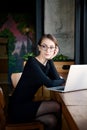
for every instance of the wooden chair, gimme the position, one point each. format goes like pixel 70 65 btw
pixel 22 126
pixel 2 114
pixel 15 78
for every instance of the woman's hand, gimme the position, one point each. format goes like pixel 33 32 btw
pixel 55 52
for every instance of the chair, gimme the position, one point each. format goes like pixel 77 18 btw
pixel 2 113
pixel 22 126
pixel 15 78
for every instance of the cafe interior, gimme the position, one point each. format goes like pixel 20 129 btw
pixel 28 21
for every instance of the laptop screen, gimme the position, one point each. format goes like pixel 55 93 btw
pixel 77 78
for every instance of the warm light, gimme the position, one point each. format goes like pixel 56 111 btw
pixel 27 30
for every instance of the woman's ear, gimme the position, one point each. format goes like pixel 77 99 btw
pixel 56 50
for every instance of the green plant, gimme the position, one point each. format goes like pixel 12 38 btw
pixel 61 57
pixel 25 57
pixel 11 39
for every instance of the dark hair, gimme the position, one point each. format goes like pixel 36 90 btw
pixel 49 36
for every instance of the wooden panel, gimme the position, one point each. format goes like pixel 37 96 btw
pixel 25 126
pixel 3 70
pixel 38 95
pixel 46 93
pixel 3 65
pixel 3 77
pixel 63 67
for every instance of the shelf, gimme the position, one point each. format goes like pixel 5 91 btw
pixel 3 40
pixel 3 47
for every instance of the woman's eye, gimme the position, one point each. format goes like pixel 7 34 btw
pixel 43 46
pixel 51 48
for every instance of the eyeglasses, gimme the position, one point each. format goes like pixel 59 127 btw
pixel 45 48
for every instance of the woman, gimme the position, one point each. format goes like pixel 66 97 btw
pixel 38 71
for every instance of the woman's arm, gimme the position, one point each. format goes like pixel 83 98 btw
pixel 53 73
pixel 42 77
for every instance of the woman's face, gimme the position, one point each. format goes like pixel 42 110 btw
pixel 47 48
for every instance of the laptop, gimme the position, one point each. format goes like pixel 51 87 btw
pixel 76 79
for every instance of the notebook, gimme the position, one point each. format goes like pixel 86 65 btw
pixel 76 79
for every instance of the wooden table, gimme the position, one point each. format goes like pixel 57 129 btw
pixel 74 109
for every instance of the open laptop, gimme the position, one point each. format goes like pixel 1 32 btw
pixel 76 79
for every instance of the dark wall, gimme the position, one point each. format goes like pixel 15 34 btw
pixel 81 32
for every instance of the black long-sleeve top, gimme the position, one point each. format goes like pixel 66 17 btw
pixel 33 77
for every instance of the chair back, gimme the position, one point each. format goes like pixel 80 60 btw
pixel 15 78
pixel 2 100
pixel 2 113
